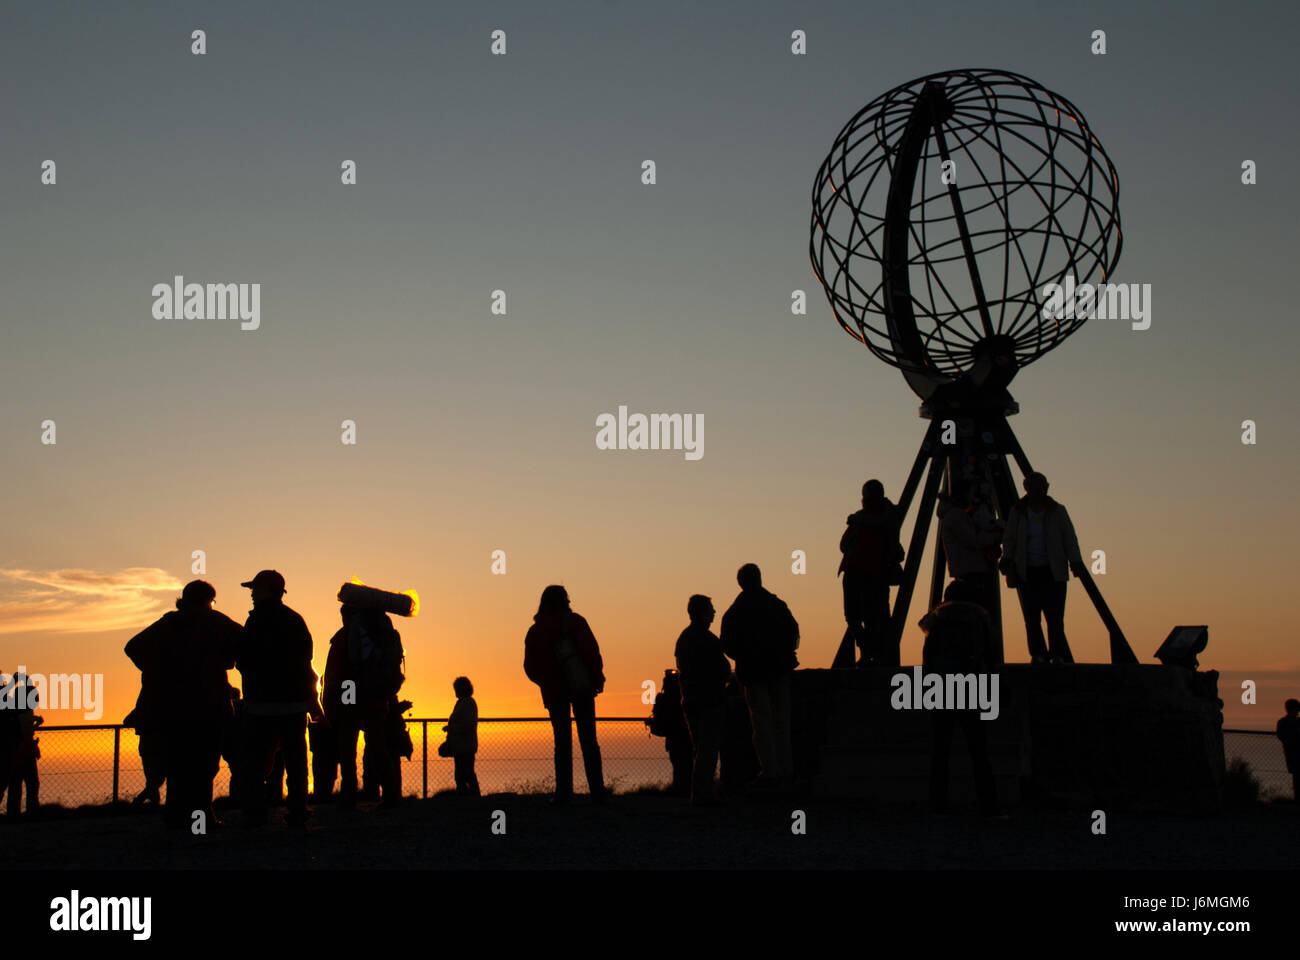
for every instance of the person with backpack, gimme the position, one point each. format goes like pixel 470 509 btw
pixel 761 635
pixel 870 565
pixel 668 721
pixel 561 656
pixel 704 672
pixel 363 673
pixel 183 658
pixel 279 691
pixel 959 640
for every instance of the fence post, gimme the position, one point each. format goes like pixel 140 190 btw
pixel 117 756
pixel 424 758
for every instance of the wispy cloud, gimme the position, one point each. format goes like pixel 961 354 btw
pixel 83 601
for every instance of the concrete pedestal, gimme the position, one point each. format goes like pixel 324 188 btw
pixel 1114 737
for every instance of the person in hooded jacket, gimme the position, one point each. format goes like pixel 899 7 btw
pixel 561 656
pixel 183 658
pixel 872 552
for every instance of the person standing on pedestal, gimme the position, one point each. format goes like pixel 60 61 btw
pixel 1039 551
pixel 872 554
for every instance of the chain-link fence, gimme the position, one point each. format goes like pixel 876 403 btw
pixel 95 764
pixel 1263 752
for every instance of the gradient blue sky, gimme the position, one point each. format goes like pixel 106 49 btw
pixel 522 173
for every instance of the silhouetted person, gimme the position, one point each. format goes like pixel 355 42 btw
pixel 150 739
pixel 872 552
pixel 562 657
pixel 668 721
pixel 25 751
pixel 462 737
pixel 1288 731
pixel 8 729
pixel 279 691
pixel 323 741
pixel 1040 551
pixel 972 542
pixel 183 658
pixel 363 673
pixel 761 635
pixel 703 672
pixel 959 640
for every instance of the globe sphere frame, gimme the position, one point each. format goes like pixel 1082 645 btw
pixel 944 208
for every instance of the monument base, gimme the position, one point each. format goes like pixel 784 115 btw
pixel 1139 737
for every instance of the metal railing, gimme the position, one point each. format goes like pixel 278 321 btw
pixel 100 763
pixel 515 755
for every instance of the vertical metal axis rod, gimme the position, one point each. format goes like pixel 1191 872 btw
pixel 959 214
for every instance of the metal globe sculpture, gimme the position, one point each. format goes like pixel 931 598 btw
pixel 943 209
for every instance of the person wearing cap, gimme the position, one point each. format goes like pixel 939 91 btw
pixel 185 701
pixel 279 691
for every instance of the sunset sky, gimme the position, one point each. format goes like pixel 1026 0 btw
pixel 476 432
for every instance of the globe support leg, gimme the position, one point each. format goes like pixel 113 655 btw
pixel 912 563
pixel 941 465
pixel 844 656
pixel 1120 651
